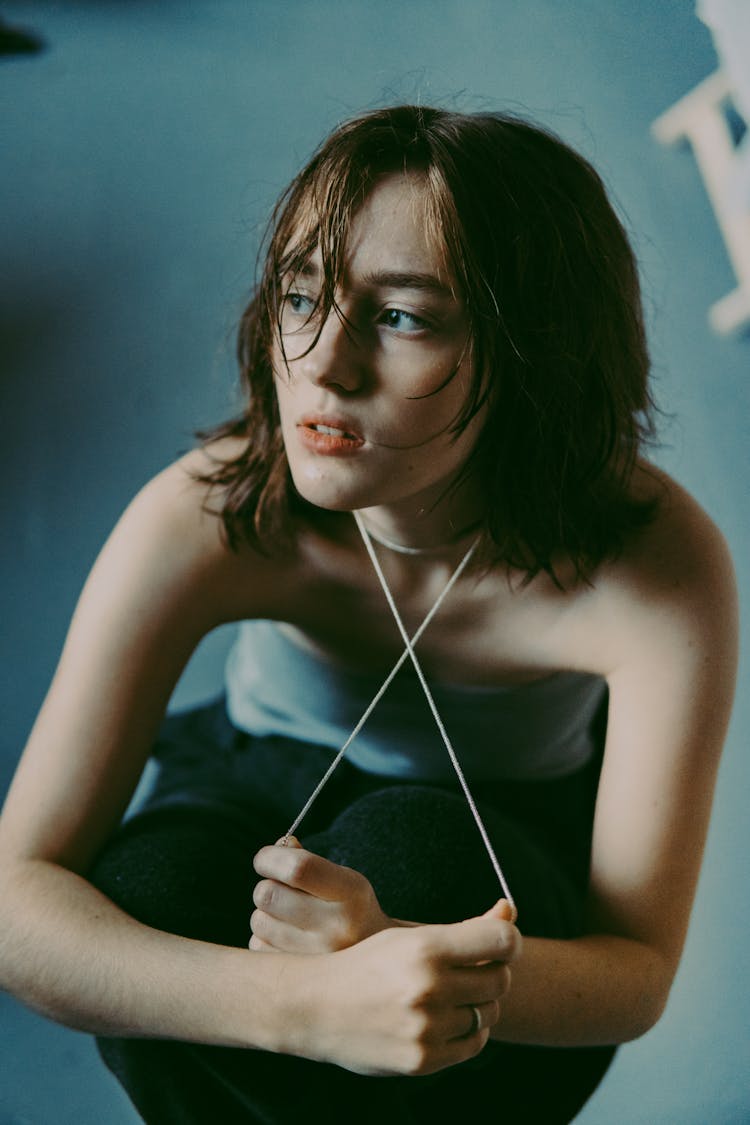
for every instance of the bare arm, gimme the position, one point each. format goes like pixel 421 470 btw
pixel 671 650
pixel 65 948
pixel 670 702
pixel 671 644
pixel 162 581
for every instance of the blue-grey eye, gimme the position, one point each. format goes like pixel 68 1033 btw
pixel 299 303
pixel 403 321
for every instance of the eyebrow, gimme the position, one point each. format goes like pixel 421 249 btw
pixel 394 279
pixel 397 279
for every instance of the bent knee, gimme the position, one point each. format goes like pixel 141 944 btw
pixel 180 870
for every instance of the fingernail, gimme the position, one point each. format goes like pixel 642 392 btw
pixel 509 909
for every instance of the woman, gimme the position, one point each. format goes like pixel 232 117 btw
pixel 447 342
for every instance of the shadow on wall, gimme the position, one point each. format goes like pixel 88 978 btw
pixel 19 41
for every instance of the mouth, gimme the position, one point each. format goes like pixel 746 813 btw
pixel 330 435
pixel 332 431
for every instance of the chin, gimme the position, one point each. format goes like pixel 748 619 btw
pixel 337 496
pixel 326 494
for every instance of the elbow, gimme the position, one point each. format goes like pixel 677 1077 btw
pixel 15 938
pixel 649 1000
pixel 24 952
pixel 645 1017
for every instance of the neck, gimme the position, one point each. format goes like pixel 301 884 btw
pixel 442 548
pixel 425 528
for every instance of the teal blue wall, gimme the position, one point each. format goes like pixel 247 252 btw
pixel 140 152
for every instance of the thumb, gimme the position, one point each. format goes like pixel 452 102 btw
pixel 489 937
pixel 504 910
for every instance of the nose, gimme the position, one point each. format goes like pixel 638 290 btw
pixel 336 355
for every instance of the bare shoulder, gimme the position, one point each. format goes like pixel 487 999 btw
pixel 182 493
pixel 675 578
pixel 182 504
pixel 681 549
pixel 173 532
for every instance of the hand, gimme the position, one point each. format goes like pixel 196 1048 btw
pixel 402 1001
pixel 307 904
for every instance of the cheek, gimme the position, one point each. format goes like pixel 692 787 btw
pixel 434 403
pixel 424 376
pixel 284 388
pixel 279 366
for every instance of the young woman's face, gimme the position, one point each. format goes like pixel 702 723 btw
pixel 366 399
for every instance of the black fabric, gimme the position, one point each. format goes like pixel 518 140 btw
pixel 184 864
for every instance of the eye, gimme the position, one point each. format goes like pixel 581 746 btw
pixel 403 321
pixel 298 311
pixel 300 304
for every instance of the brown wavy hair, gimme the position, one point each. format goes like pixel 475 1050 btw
pixel 551 289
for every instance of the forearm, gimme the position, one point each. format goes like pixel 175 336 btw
pixel 596 989
pixel 589 991
pixel 394 1003
pixel 67 951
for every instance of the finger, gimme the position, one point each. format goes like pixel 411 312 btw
pixel 258 946
pixel 472 1019
pixel 284 937
pixel 503 909
pixel 456 1050
pixel 473 941
pixel 476 984
pixel 289 905
pixel 306 872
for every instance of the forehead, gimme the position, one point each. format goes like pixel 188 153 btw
pixel 396 226
pixel 395 230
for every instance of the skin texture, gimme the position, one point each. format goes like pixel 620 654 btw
pixel 327 974
pixel 380 365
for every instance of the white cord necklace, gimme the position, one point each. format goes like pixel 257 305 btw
pixel 382 690
pixel 402 549
pixel 410 654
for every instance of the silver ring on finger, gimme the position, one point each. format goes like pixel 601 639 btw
pixel 476 1020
